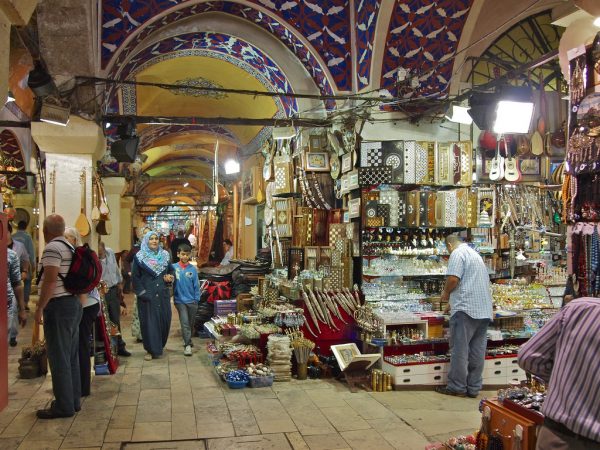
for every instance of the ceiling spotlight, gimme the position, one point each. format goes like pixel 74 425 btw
pixel 514 110
pixel 172 202
pixel 597 22
pixel 176 192
pixel 40 82
pixel 107 125
pixel 231 167
pixel 10 97
pixel 460 114
pixel 186 184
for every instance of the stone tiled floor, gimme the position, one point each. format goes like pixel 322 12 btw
pixel 180 400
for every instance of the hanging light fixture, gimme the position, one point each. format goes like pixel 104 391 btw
pixel 514 110
pixel 232 166
pixel 460 114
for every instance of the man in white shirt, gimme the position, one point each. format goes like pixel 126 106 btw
pixel 228 247
pixel 60 312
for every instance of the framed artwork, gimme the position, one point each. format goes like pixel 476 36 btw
pixel 531 168
pixel 354 208
pixel 295 262
pixel 353 180
pixel 344 354
pixel 346 162
pixel 250 186
pixel 317 142
pixel 344 188
pixel 483 164
pixel 316 161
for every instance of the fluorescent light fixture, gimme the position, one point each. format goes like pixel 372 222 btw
pixel 54 114
pixel 232 166
pixel 513 117
pixel 280 133
pixel 597 22
pixel 10 97
pixel 186 184
pixel 460 114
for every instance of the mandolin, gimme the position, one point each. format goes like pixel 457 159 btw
pixel 52 181
pixel 81 223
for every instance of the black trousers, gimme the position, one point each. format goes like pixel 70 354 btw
pixel 114 311
pixel 61 328
pixel 86 325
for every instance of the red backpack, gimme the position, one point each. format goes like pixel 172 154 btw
pixel 84 272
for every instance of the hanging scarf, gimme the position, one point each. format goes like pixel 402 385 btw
pixel 154 260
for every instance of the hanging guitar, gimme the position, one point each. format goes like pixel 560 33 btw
pixel 95 208
pixel 81 223
pixel 103 227
pixel 511 165
pixel 537 140
pixel 497 164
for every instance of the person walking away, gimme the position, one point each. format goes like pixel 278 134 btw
pixel 564 353
pixel 91 307
pixel 186 296
pixel 23 237
pixel 111 275
pixel 14 295
pixel 150 274
pixel 60 312
pixel 175 243
pixel 193 241
pixel 467 291
pixel 125 271
pixel 24 269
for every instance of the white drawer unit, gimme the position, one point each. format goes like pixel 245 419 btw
pixel 489 372
pixel 516 374
pixel 493 381
pixel 490 363
pixel 417 369
pixel 427 379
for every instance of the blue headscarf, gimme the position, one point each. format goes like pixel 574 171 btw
pixel 155 260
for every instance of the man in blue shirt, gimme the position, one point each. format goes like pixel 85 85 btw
pixel 186 293
pixel 22 236
pixel 469 298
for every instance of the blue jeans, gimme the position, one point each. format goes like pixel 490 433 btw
pixel 27 289
pixel 468 341
pixel 187 317
pixel 61 328
pixel 13 320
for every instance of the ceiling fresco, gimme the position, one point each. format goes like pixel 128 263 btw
pixel 366 13
pixel 422 38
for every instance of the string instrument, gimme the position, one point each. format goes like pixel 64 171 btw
pixel 497 164
pixel 511 165
pixel 95 209
pixel 52 181
pixel 103 227
pixel 81 223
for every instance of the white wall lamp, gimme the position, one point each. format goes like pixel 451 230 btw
pixel 460 114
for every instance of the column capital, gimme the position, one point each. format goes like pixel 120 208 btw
pixel 114 185
pixel 79 137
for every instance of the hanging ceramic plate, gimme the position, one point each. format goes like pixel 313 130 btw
pixel 267 171
pixel 269 190
pixel 268 214
pixel 334 165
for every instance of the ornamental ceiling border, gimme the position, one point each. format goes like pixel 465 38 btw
pixel 423 37
pixel 366 13
pixel 217 45
pixel 153 133
pixel 272 25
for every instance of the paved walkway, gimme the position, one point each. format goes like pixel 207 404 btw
pixel 180 399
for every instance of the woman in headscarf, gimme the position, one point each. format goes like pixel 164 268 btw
pixel 150 274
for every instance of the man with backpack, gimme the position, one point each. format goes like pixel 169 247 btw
pixel 60 312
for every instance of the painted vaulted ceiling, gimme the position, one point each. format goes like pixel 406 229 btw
pixel 324 47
